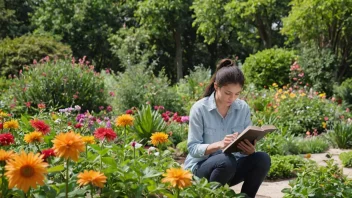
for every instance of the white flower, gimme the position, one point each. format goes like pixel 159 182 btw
pixel 77 107
pixel 57 121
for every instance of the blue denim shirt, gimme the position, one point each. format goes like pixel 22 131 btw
pixel 206 126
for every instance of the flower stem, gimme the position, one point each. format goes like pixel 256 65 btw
pixel 177 192
pixel 36 145
pixel 91 190
pixel 67 166
pixel 125 136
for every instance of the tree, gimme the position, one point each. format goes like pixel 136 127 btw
pixel 261 17
pixel 84 24
pixel 327 23
pixel 166 19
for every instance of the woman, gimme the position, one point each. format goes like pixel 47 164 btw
pixel 214 122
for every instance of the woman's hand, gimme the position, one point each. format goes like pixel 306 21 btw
pixel 227 140
pixel 247 147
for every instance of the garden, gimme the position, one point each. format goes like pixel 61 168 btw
pixel 95 97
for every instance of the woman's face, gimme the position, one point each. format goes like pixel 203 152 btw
pixel 227 94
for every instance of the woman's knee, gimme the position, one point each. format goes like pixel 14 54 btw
pixel 227 162
pixel 263 160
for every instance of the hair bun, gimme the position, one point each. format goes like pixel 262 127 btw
pixel 225 63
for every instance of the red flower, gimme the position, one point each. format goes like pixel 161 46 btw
pixel 129 111
pixel 78 125
pixel 41 106
pixel 48 153
pixel 1 126
pixel 105 133
pixel 6 139
pixel 40 126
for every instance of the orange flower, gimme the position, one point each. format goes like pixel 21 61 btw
pixel 159 138
pixel 34 137
pixel 6 155
pixel 307 156
pixel 91 177
pixel 12 124
pixel 68 145
pixel 25 171
pixel 124 120
pixel 177 177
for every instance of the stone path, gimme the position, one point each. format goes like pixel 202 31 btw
pixel 273 189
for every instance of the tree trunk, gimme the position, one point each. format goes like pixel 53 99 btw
pixel 178 54
pixel 263 33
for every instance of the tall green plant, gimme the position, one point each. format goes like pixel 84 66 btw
pixel 341 135
pixel 147 122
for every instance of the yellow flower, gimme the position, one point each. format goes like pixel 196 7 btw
pixel 124 120
pixel 303 94
pixel 12 124
pixel 6 155
pixel 324 125
pixel 68 145
pixel 292 95
pixel 322 95
pixel 3 114
pixel 279 91
pixel 275 85
pixel 25 171
pixel 308 156
pixel 159 138
pixel 177 177
pixel 283 96
pixel 88 139
pixel 34 137
pixel 91 177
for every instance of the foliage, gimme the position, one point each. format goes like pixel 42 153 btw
pixel 147 122
pixel 346 159
pixel 282 167
pixel 84 24
pixel 21 51
pixel 182 147
pixel 273 144
pixel 322 181
pixel 148 88
pixel 261 67
pixel 341 135
pixel 344 91
pixel 319 68
pixel 178 131
pixel 59 84
pixel 130 45
pixel 326 23
pixel 191 87
pixel 314 144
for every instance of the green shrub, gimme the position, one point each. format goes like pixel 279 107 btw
pixel 182 147
pixel 346 158
pixel 315 144
pixel 273 144
pixel 138 85
pixel 191 88
pixel 147 122
pixel 261 68
pixel 282 167
pixel 322 181
pixel 178 131
pixel 341 135
pixel 18 52
pixel 319 67
pixel 344 92
pixel 60 84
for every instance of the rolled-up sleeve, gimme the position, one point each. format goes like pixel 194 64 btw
pixel 195 145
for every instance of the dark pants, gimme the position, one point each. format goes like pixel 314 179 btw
pixel 225 169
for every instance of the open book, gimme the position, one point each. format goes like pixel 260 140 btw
pixel 251 133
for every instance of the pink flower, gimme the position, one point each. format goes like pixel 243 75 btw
pixel 101 107
pixel 348 110
pixel 41 106
pixel 326 118
pixel 109 108
pixel 129 111
pixel 184 119
pixel 28 104
pixel 112 93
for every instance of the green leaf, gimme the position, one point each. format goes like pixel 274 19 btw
pixel 56 169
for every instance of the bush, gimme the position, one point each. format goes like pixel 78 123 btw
pixel 178 131
pixel 346 158
pixel 315 144
pixel 344 92
pixel 182 147
pixel 320 68
pixel 273 144
pixel 60 84
pixel 21 51
pixel 138 85
pixel 191 88
pixel 282 167
pixel 341 135
pixel 268 66
pixel 322 181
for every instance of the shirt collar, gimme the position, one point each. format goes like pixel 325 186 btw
pixel 212 104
